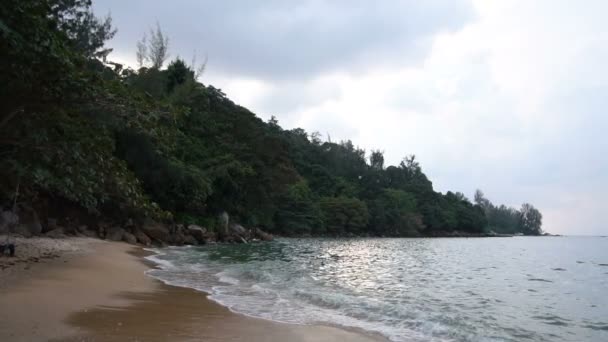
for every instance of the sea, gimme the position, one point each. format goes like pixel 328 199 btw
pixel 418 289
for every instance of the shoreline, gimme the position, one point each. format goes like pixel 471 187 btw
pixel 99 292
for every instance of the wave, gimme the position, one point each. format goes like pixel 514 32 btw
pixel 405 297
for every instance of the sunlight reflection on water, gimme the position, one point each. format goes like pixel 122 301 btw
pixel 490 289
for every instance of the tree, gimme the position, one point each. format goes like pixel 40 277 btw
pixel 376 160
pixel 393 213
pixel 530 219
pixel 344 215
pixel 299 211
pixel 87 32
pixel 142 51
pixel 178 73
pixel 153 49
pixel 410 164
pixel 481 200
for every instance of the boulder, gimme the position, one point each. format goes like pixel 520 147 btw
pixel 178 237
pixel 57 233
pixel 29 218
pixel 262 235
pixel 238 229
pixel 129 238
pixel 84 230
pixel 142 237
pixel 190 240
pixel 8 220
pixel 129 223
pixel 157 231
pixel 114 234
pixel 197 232
pixel 102 228
pixel 210 238
pixel 22 230
pixel 51 224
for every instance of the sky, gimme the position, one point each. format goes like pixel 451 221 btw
pixel 504 96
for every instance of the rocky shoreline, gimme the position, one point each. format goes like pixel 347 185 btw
pixel 26 223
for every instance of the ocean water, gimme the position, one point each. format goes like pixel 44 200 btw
pixel 478 289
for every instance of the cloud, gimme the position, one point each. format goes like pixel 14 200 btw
pixel 291 39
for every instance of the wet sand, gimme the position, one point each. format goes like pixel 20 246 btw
pixel 102 294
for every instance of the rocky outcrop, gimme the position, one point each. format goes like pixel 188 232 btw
pixel 178 235
pixel 262 235
pixel 25 223
pixel 190 240
pixel 85 231
pixel 197 232
pixel 129 238
pixel 8 220
pixel 148 233
pixel 142 237
pixel 157 231
pixel 237 229
pixel 57 233
pixel 115 234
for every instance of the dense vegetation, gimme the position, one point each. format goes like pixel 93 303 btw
pixel 155 142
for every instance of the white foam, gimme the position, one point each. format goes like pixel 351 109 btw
pixel 227 279
pixel 162 263
pixel 253 297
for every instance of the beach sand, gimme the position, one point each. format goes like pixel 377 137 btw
pixel 92 290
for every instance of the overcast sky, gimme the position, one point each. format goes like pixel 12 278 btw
pixel 505 96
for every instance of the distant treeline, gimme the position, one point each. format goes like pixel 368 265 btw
pixel 155 142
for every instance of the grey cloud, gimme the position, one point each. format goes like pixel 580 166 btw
pixel 290 97
pixel 290 39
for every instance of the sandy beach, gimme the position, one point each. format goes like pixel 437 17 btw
pixel 90 290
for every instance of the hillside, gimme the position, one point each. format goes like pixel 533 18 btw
pixel 85 137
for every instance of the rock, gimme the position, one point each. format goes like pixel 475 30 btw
pixel 142 237
pixel 197 232
pixel 210 237
pixel 102 227
pixel 29 218
pixel 238 229
pixel 8 220
pixel 84 230
pixel 157 231
pixel 129 238
pixel 51 224
pixel 22 230
pixel 114 234
pixel 57 233
pixel 129 223
pixel 178 237
pixel 262 235
pixel 190 240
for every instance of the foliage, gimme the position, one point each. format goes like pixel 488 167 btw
pixel 506 220
pixel 394 213
pixel 299 212
pixel 344 215
pixel 157 142
pixel 530 219
pixel 153 50
pixel 86 32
